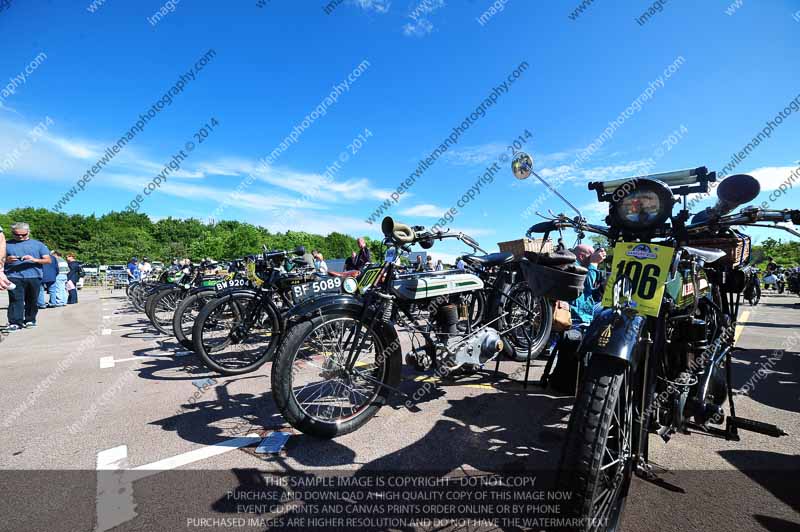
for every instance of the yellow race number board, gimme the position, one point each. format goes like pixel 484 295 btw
pixel 647 266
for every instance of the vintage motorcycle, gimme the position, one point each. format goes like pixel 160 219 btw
pixel 342 356
pixel 238 329
pixel 657 355
pixel 752 287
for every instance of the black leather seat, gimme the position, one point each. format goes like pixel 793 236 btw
pixel 492 259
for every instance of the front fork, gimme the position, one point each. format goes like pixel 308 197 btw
pixel 641 423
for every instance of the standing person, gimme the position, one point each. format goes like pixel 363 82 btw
pixel 319 262
pixel 59 291
pixel 133 270
pixel 145 268
pixel 770 278
pixel 24 268
pixel 363 258
pixel 429 264
pixel 418 266
pixel 49 275
pixel 460 264
pixel 75 271
pixel 4 282
pixel 350 262
pixel 439 266
pixel 309 258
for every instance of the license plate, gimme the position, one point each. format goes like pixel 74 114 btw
pixel 305 291
pixel 232 283
pixel 647 266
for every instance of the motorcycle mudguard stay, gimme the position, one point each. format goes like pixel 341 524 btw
pixel 615 335
pixel 324 304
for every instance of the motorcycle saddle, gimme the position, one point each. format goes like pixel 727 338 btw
pixel 492 259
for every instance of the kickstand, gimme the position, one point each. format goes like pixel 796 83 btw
pixel 548 368
pixel 528 359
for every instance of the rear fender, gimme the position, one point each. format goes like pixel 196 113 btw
pixel 616 335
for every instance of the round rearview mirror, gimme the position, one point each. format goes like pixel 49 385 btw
pixel 522 165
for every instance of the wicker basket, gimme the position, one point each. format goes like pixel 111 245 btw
pixel 519 247
pixel 736 246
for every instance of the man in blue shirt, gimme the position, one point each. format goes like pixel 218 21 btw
pixel 582 309
pixel 24 268
pixel 133 270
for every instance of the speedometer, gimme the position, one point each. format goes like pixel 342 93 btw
pixel 642 204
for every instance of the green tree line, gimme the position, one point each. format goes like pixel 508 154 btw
pixel 117 236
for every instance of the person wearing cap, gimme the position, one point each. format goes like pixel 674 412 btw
pixel 133 270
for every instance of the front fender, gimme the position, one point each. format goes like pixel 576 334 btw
pixel 320 304
pixel 616 336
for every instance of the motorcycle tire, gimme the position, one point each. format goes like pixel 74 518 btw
pixel 186 314
pixel 234 353
pixel 162 309
pixel 539 333
pixel 592 439
pixel 287 369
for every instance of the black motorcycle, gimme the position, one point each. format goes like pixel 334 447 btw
pixel 657 355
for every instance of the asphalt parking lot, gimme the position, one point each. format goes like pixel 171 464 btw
pixel 93 387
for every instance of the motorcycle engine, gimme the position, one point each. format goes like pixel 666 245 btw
pixel 479 348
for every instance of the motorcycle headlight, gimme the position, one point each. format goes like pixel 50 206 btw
pixel 350 285
pixel 640 205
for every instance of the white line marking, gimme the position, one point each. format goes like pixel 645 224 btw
pixel 114 500
pixel 109 362
pixel 111 459
pixel 199 454
pixel 105 332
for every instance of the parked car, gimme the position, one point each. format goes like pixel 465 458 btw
pixel 117 274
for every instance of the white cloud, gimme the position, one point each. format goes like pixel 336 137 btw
pixel 771 177
pixel 419 29
pixel 420 14
pixel 595 212
pixel 566 173
pixel 379 6
pixel 474 155
pixel 427 210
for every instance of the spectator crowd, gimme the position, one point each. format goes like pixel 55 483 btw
pixel 35 277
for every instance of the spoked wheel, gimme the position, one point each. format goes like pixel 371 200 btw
pixel 314 388
pixel 529 314
pixel 236 333
pixel 163 309
pixel 597 460
pixel 138 296
pixel 186 314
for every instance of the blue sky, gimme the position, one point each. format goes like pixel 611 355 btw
pixel 428 66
